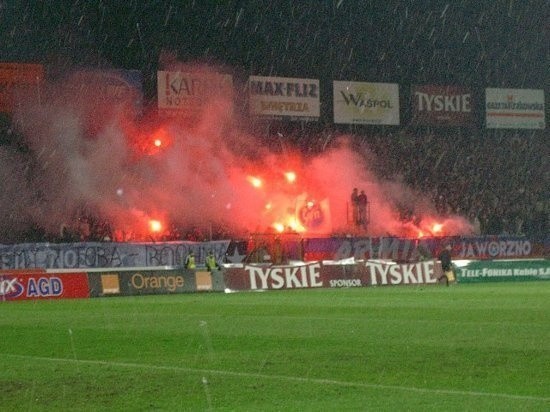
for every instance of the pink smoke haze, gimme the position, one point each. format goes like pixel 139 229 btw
pixel 89 155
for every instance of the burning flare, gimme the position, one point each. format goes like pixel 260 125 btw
pixel 155 226
pixel 290 177
pixel 255 181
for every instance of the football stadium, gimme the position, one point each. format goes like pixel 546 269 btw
pixel 298 206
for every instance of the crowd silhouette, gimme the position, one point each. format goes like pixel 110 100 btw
pixel 498 179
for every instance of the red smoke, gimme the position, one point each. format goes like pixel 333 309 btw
pixel 145 174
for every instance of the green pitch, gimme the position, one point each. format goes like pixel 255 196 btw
pixel 465 347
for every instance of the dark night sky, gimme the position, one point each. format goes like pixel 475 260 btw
pixel 483 43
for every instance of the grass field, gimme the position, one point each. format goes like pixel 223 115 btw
pixel 466 347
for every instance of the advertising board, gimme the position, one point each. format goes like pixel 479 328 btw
pixel 112 87
pixel 509 270
pixel 514 108
pixel 324 275
pixel 19 82
pixel 187 93
pixel 149 281
pixel 22 285
pixel 435 105
pixel 366 103
pixel 141 281
pixel 284 97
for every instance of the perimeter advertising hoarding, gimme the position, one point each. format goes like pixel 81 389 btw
pixel 22 285
pixel 366 103
pixel 323 275
pixel 19 81
pixel 153 282
pixel 188 93
pixel 510 270
pixel 442 105
pixel 141 282
pixel 284 97
pixel 514 108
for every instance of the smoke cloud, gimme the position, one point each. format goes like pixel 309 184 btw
pixel 90 156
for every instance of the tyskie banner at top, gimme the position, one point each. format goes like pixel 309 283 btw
pixel 284 97
pixel 442 105
pixel 366 103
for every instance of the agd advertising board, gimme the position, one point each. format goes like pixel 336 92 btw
pixel 19 285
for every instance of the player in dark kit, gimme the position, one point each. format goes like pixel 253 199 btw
pixel 447 265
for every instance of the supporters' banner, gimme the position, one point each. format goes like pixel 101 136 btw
pixel 313 215
pixel 442 105
pixel 391 248
pixel 411 250
pixel 154 254
pixel 106 255
pixel 21 285
pixel 509 270
pixel 237 252
pixel 284 97
pixel 498 247
pixel 323 275
pixel 514 109
pixel 188 93
pixel 19 82
pixel 366 103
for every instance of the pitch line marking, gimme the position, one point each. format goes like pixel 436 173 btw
pixel 281 377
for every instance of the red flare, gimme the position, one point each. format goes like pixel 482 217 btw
pixel 155 226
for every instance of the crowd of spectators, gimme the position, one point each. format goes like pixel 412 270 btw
pixel 91 228
pixel 498 179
